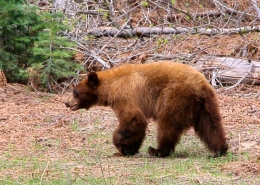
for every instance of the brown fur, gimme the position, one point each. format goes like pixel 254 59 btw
pixel 175 95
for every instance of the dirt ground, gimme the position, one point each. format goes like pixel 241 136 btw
pixel 28 118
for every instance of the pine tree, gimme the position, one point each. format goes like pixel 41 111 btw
pixel 16 37
pixel 53 60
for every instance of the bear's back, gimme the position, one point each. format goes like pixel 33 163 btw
pixel 142 84
pixel 158 69
pixel 131 77
pixel 159 73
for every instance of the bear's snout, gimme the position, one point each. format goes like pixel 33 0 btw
pixel 72 105
pixel 67 104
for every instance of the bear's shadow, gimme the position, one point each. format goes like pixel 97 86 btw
pixel 178 154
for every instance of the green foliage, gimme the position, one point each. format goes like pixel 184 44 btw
pixel 89 37
pixel 145 4
pixel 106 15
pixel 161 41
pixel 29 41
pixel 188 17
pixel 173 2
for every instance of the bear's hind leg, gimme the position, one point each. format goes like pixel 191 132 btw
pixel 167 139
pixel 210 130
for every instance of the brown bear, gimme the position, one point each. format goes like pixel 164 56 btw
pixel 175 95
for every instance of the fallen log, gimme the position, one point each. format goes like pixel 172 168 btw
pixel 231 70
pixel 226 70
pixel 147 31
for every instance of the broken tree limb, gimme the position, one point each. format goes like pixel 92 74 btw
pixel 91 12
pixel 224 9
pixel 89 53
pixel 147 31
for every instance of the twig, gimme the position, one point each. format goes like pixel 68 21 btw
pixel 196 167
pixel 56 83
pixel 102 171
pixel 119 31
pixel 44 172
pixel 199 180
pixel 248 72
pixel 105 64
pixel 214 77
pixel 66 86
pixel 256 8
pixel 34 87
pixel 239 146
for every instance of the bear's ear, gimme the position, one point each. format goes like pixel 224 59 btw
pixel 93 80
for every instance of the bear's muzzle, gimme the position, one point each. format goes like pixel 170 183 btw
pixel 72 107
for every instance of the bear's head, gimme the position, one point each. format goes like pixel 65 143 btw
pixel 84 94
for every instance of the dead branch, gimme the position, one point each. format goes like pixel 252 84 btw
pixel 224 9
pixel 92 12
pixel 193 16
pixel 181 56
pixel 90 53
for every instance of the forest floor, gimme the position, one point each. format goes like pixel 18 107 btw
pixel 38 126
pixel 43 142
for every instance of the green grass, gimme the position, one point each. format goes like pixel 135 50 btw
pixel 94 164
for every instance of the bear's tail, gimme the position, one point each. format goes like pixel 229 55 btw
pixel 210 126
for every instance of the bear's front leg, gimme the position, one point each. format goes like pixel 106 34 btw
pixel 129 136
pixel 124 144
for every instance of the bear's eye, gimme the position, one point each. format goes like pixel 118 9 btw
pixel 75 93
